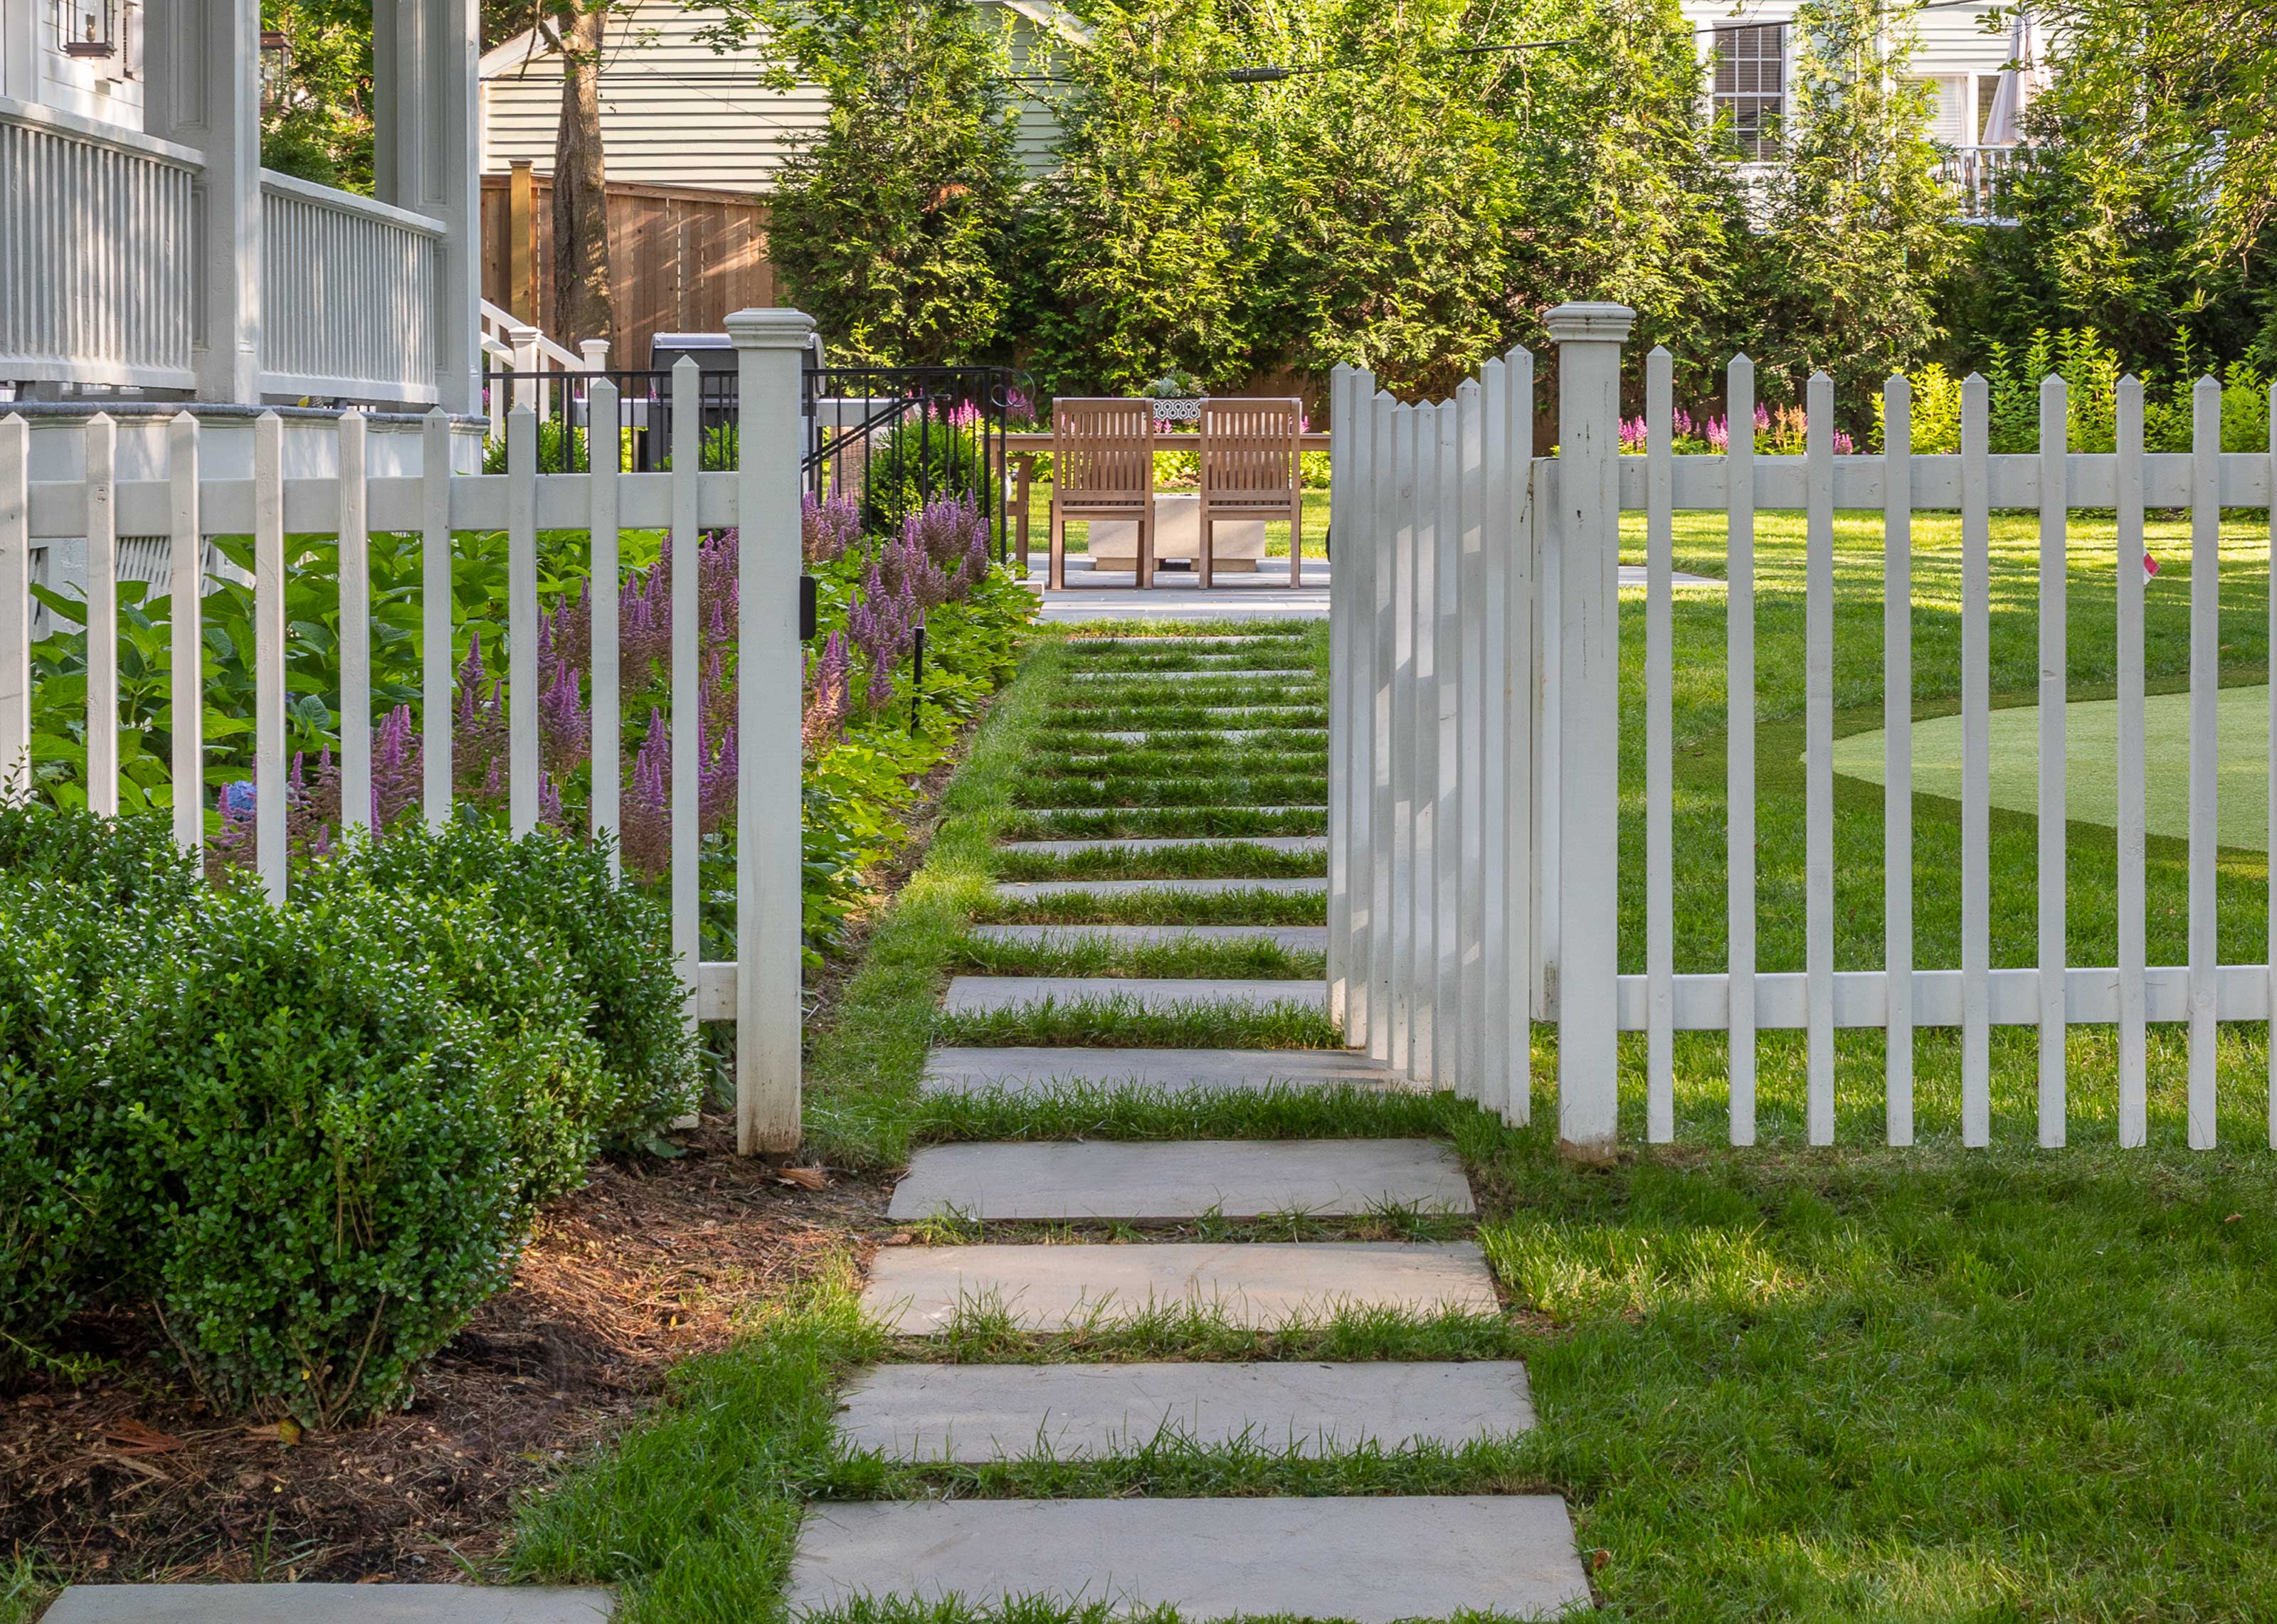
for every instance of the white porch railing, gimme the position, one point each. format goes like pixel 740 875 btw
pixel 1975 174
pixel 1475 742
pixel 761 988
pixel 95 252
pixel 352 303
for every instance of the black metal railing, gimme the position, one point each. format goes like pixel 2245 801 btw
pixel 890 437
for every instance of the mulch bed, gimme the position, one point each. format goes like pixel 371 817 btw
pixel 131 1476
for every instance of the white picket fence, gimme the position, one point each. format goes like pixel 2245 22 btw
pixel 1474 740
pixel 760 989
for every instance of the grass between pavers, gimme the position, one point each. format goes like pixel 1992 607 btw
pixel 1072 955
pixel 1109 1020
pixel 26 1586
pixel 1385 1222
pixel 1199 861
pixel 1160 907
pixel 1117 716
pixel 1076 823
pixel 1043 794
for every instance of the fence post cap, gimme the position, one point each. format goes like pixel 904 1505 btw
pixel 770 329
pixel 1588 320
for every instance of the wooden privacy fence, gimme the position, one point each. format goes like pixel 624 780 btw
pixel 1474 732
pixel 760 498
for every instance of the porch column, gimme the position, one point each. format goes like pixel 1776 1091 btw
pixel 203 90
pixel 424 56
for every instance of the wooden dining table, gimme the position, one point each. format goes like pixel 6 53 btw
pixel 1022 448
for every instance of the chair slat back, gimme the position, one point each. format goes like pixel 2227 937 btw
pixel 1102 451
pixel 1249 451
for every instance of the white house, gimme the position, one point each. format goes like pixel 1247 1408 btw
pixel 674 112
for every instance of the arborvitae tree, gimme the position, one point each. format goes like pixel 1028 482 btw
pixel 1139 256
pixel 891 227
pixel 1856 225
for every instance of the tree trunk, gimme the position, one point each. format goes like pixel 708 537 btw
pixel 583 288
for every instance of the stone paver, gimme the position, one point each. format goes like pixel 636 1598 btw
pixel 1011 1412
pixel 330 1603
pixel 918 1290
pixel 1041 1071
pixel 972 995
pixel 1370 1560
pixel 1271 677
pixel 1166 843
pixel 1295 938
pixel 1126 811
pixel 1142 1183
pixel 1037 890
pixel 1101 595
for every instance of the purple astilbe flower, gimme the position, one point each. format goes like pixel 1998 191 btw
pixel 828 526
pixel 398 769
pixel 1762 420
pixel 830 676
pixel 1843 444
pixel 645 811
pixel 1633 434
pixel 715 781
pixel 1680 421
pixel 548 801
pixel 480 731
pixel 1718 434
pixel 882 626
pixel 565 725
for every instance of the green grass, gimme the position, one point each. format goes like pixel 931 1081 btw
pixel 1105 791
pixel 1110 1021
pixel 1253 959
pixel 26 1586
pixel 1139 823
pixel 1160 907
pixel 1201 861
pixel 1120 717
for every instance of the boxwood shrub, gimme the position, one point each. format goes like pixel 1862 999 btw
pixel 310 1139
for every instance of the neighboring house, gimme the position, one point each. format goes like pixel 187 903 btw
pixel 1751 48
pixel 674 112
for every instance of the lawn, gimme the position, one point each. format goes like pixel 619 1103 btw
pixel 1700 813
pixel 1774 1383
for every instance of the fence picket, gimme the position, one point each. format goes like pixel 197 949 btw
pixel 2205 686
pixel 15 609
pixel 1407 429
pixel 1341 592
pixel 1447 826
pixel 186 589
pixel 1975 762
pixel 2269 950
pixel 2056 690
pixel 2134 1088
pixel 522 678
pixel 436 663
pixel 1659 751
pixel 1497 538
pixel 603 459
pixel 1739 738
pixel 1383 423
pixel 355 626
pixel 269 787
pixel 1519 896
pixel 1819 770
pixel 1424 962
pixel 1360 543
pixel 1471 885
pixel 101 615
pixel 1897 756
pixel 687 540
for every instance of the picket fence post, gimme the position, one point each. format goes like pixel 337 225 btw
pixel 769 348
pixel 1589 338
pixel 15 610
pixel 1341 588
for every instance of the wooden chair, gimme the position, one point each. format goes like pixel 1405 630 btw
pixel 1249 470
pixel 1102 468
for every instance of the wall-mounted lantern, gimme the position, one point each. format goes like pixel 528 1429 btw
pixel 276 57
pixel 87 27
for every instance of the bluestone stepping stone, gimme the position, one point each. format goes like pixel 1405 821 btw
pixel 1169 1182
pixel 1012 1412
pixel 1039 1071
pixel 1037 890
pixel 1373 1559
pixel 919 1290
pixel 331 1604
pixel 1295 938
pixel 973 995
pixel 1301 844
pixel 1268 676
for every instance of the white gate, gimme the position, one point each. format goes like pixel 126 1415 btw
pixel 1476 726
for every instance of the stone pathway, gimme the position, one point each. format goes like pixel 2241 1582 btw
pixel 1368 1558
pixel 332 1604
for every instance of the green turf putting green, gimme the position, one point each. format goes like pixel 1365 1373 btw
pixel 2092 760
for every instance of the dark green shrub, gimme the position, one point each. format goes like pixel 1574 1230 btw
pixel 321 1146
pixel 613 939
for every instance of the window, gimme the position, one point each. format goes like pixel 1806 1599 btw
pixel 1750 86
pixel 1988 85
